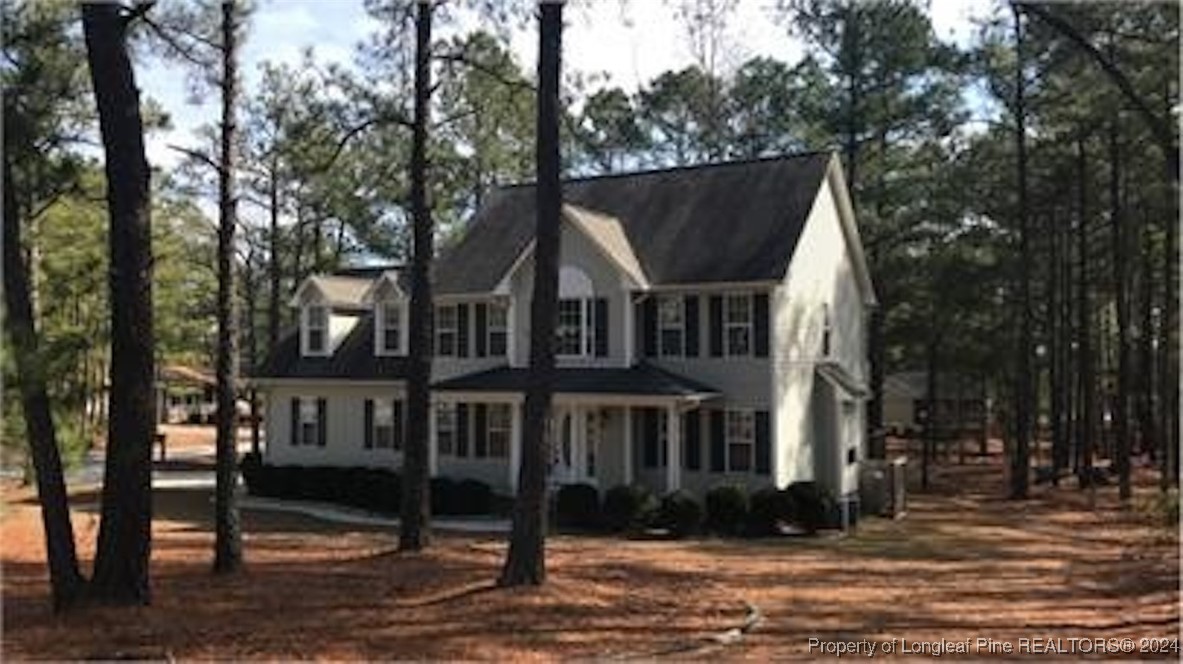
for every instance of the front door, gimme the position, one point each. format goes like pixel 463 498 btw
pixel 562 449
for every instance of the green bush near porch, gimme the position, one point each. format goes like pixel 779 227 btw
pixel 628 508
pixel 727 510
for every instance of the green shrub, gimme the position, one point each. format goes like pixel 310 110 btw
pixel 727 510
pixel 251 467
pixel 768 508
pixel 443 496
pixel 628 507
pixel 812 507
pixel 473 497
pixel 680 513
pixel 578 506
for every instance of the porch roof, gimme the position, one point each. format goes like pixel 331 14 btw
pixel 641 379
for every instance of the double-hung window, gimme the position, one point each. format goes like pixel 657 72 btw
pixel 671 320
pixel 573 331
pixel 737 318
pixel 316 323
pixel 390 321
pixel 498 326
pixel 499 430
pixel 445 428
pixel 446 330
pixel 384 436
pixel 309 421
pixel 741 440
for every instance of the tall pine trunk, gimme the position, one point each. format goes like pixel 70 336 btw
pixel 227 531
pixel 1054 354
pixel 1023 395
pixel 273 265
pixel 1084 426
pixel 125 535
pixel 1120 285
pixel 65 579
pixel 525 563
pixel 415 511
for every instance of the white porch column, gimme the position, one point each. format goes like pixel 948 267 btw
pixel 628 445
pixel 579 443
pixel 629 335
pixel 433 447
pixel 673 448
pixel 515 444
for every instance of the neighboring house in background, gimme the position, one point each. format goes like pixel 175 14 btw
pixel 184 395
pixel 711 329
pixel 962 405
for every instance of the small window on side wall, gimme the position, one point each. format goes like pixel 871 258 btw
pixel 827 330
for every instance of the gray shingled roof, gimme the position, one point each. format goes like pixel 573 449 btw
pixel 641 379
pixel 353 359
pixel 731 222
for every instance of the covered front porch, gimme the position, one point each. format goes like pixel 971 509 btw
pixel 607 426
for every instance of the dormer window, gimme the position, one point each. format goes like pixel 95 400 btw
pixel 389 328
pixel 446 330
pixel 316 324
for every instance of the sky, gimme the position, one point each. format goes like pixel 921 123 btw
pixel 627 41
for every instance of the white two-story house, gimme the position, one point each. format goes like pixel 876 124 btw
pixel 711 329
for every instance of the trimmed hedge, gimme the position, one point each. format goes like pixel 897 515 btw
pixel 726 510
pixel 768 510
pixel 680 514
pixel 812 507
pixel 628 507
pixel 578 506
pixel 374 489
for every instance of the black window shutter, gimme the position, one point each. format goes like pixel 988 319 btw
pixel 369 436
pixel 462 330
pixel 691 314
pixel 760 316
pixel 462 430
pixel 481 312
pixel 649 326
pixel 693 453
pixel 716 331
pixel 399 430
pixel 322 421
pixel 651 433
pixel 480 425
pixel 763 442
pixel 601 322
pixel 295 420
pixel 718 442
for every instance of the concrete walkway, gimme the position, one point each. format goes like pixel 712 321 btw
pixel 354 517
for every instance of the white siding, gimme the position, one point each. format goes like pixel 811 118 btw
pixel 576 250
pixel 345 433
pixel 821 274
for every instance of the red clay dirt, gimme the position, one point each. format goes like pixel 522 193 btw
pixel 964 563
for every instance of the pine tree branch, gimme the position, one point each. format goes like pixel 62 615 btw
pixel 197 155
pixel 1158 125
pixel 138 11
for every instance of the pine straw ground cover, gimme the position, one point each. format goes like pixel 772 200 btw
pixel 963 564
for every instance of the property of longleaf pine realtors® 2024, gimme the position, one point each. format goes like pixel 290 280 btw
pixel 978 646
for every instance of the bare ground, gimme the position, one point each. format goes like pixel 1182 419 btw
pixel 964 563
